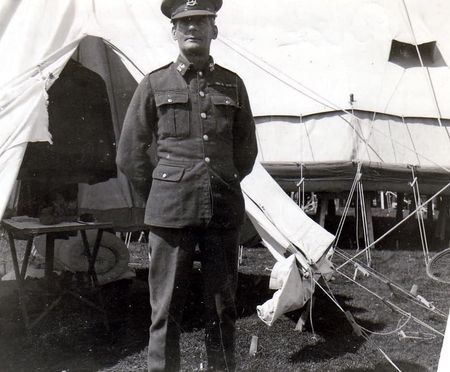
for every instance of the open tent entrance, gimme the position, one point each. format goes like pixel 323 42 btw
pixel 87 106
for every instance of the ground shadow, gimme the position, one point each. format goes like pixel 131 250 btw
pixel 335 330
pixel 73 337
pixel 252 290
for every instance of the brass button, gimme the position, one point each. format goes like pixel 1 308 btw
pixel 200 73
pixel 207 160
pixel 202 93
pixel 205 137
pixel 203 115
pixel 164 175
pixel 227 101
pixel 170 100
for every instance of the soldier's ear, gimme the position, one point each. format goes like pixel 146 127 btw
pixel 215 32
pixel 174 32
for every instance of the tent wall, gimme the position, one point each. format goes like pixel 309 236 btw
pixel 325 149
pixel 363 136
pixel 37 40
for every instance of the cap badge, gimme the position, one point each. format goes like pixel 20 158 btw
pixel 191 3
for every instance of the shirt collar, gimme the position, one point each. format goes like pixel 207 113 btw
pixel 183 65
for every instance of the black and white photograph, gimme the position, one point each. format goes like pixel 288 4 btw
pixel 224 185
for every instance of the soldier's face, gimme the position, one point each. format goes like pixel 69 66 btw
pixel 194 34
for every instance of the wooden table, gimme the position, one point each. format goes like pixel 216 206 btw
pixel 26 228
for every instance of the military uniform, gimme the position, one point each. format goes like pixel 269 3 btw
pixel 202 124
pixel 205 135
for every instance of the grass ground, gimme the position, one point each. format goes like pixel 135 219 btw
pixel 73 338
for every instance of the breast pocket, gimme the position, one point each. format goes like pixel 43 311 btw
pixel 173 114
pixel 224 110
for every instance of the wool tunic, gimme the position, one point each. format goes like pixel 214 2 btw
pixel 203 129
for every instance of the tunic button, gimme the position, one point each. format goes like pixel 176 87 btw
pixel 200 73
pixel 164 175
pixel 202 93
pixel 205 137
pixel 203 115
pixel 207 160
pixel 170 100
pixel 227 102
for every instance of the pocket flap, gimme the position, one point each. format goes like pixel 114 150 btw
pixel 169 98
pixel 223 100
pixel 171 173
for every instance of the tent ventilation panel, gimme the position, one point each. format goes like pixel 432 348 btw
pixel 405 55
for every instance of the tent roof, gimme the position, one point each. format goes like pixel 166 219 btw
pixel 330 49
pixel 297 57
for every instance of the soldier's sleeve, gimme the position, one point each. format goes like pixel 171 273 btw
pixel 135 139
pixel 244 135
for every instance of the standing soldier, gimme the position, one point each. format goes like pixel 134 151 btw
pixel 199 115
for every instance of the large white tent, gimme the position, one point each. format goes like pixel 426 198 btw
pixel 40 37
pixel 301 61
pixel 347 86
pixel 319 75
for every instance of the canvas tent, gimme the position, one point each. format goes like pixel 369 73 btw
pixel 331 84
pixel 106 36
pixel 350 88
pixel 301 66
pixel 102 35
pixel 328 89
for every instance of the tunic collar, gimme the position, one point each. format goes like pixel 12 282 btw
pixel 183 65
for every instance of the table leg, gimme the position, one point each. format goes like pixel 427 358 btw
pixel 12 247
pixel 19 278
pixel 49 254
pixel 93 257
pixel 49 277
pixel 26 257
pixel 92 274
pixel 87 252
